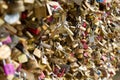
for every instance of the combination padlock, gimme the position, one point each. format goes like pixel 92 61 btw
pixel 8 67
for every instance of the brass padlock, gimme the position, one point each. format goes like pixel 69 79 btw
pixel 37 53
pixel 15 54
pixel 40 10
pixel 22 58
pixel 16 6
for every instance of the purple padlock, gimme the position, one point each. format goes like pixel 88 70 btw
pixel 8 68
pixel 7 40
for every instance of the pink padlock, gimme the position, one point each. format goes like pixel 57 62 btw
pixel 8 68
pixel 85 46
pixel 42 76
pixel 7 40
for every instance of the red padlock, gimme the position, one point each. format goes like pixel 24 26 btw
pixel 34 31
pixel 62 73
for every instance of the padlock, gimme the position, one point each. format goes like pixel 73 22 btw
pixel 42 76
pixel 15 6
pixel 12 18
pixel 22 58
pixel 42 13
pixel 44 60
pixel 59 71
pixel 8 40
pixel 35 31
pixel 15 40
pixel 5 52
pixel 85 46
pixel 15 54
pixel 8 67
pixel 37 52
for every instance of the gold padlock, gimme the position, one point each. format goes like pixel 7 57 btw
pixel 22 58
pixel 37 53
pixel 15 54
pixel 40 10
pixel 16 6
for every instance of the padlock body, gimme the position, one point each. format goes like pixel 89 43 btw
pixel 9 69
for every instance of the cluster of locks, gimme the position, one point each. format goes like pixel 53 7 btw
pixel 59 39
